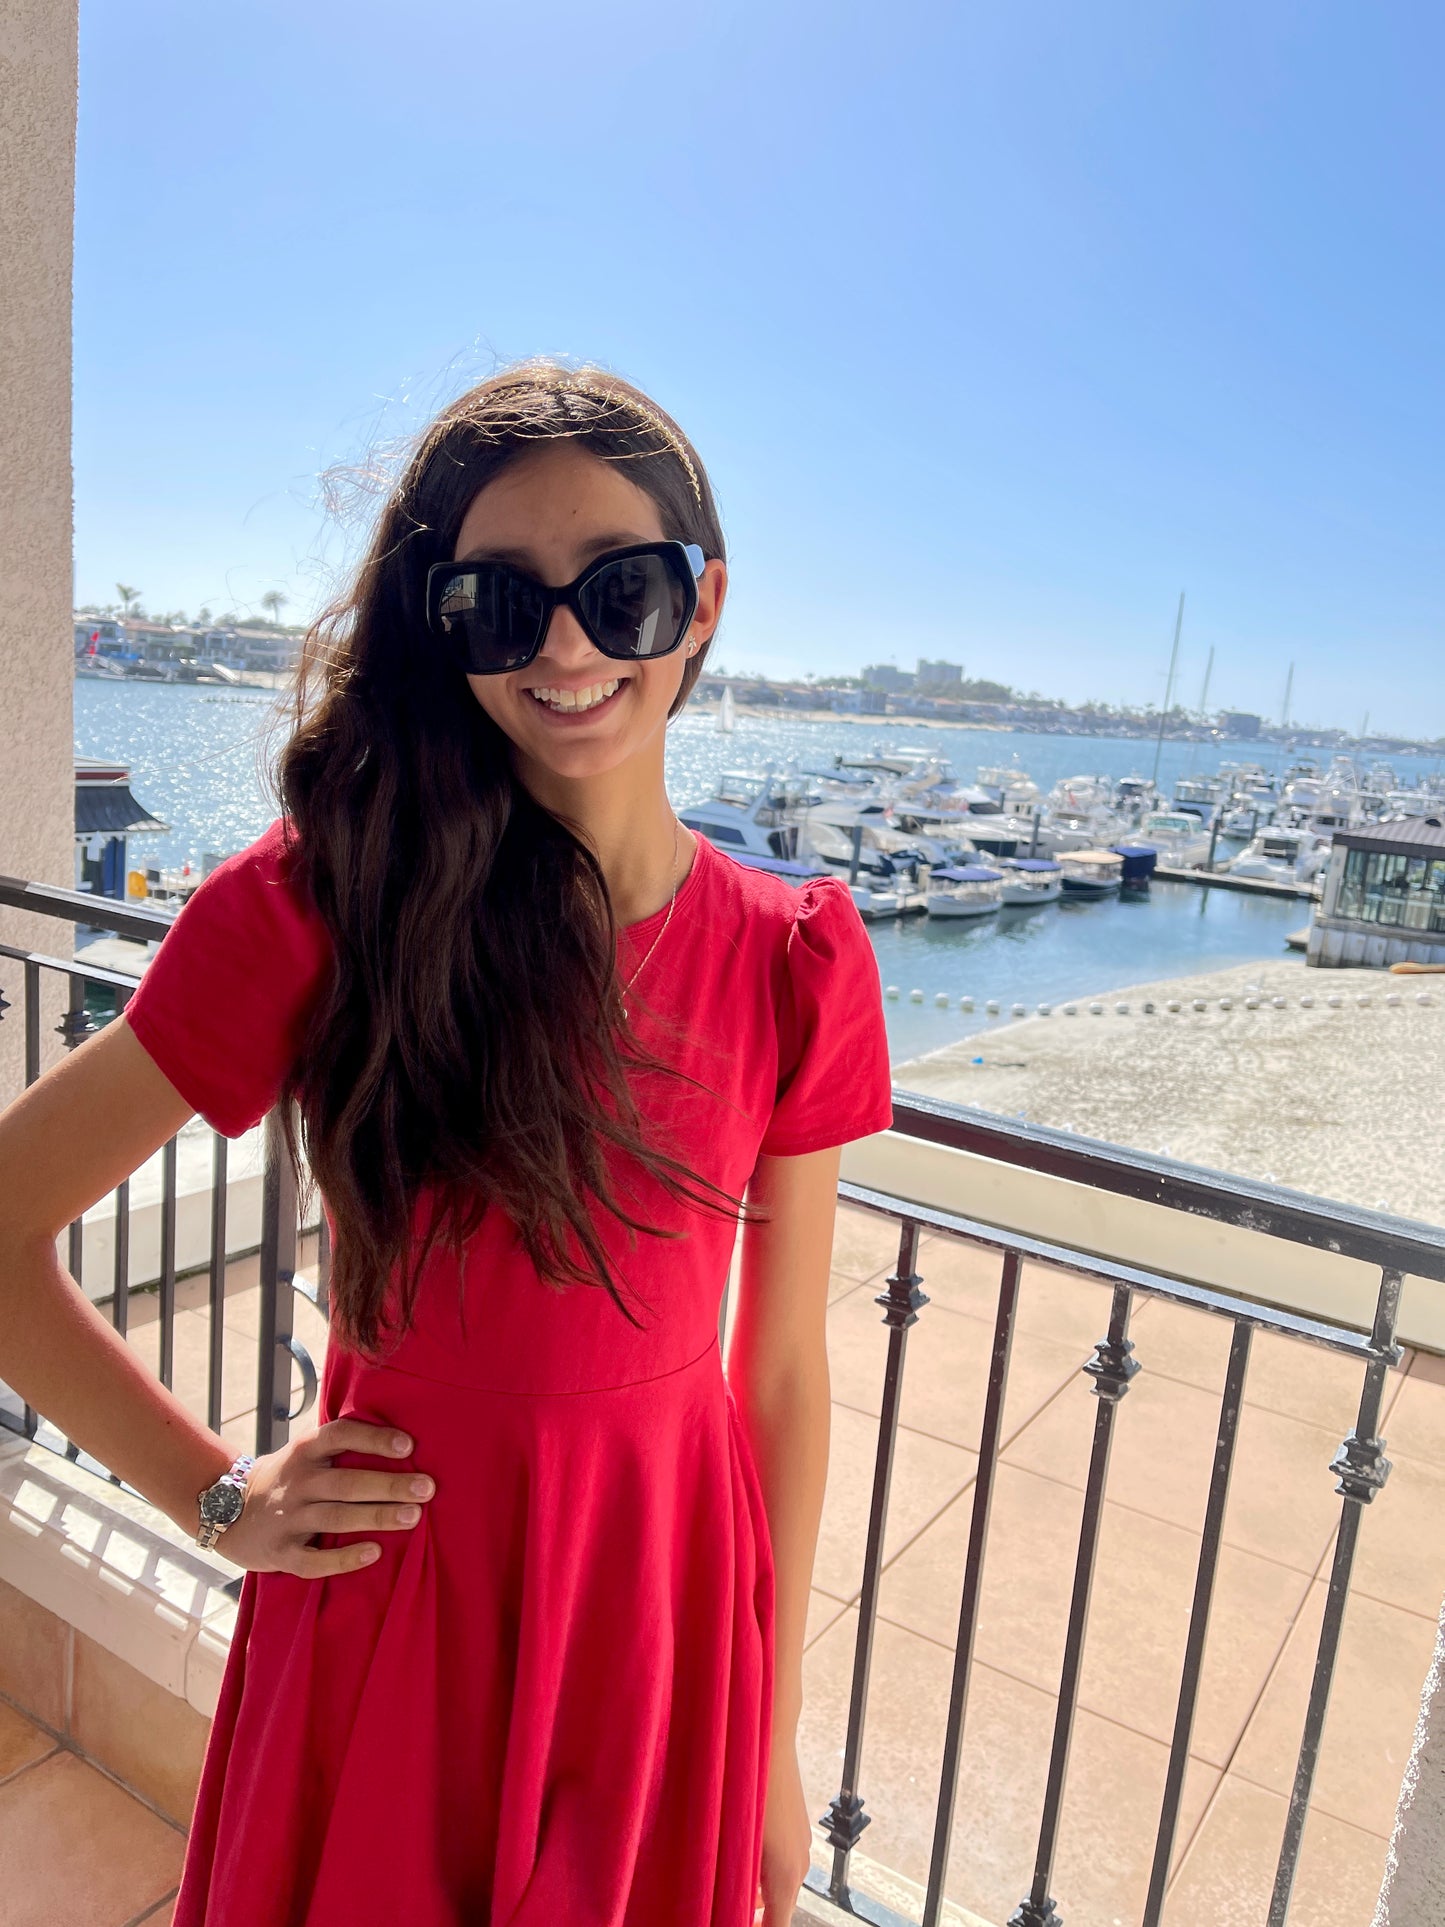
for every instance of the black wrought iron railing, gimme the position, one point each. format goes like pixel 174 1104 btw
pixel 278 1349
pixel 1396 1248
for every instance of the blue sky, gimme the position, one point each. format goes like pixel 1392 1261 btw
pixel 996 325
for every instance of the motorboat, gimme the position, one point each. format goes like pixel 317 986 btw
pixel 876 899
pixel 1199 796
pixel 757 817
pixel 1091 873
pixel 1282 855
pixel 893 885
pixel 1001 836
pixel 1176 835
pixel 1029 881
pixel 1244 820
pixel 1133 797
pixel 1015 792
pixel 964 890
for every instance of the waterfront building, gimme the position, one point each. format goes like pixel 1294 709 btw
pixel 939 677
pixel 885 676
pixel 1384 895
pixel 106 813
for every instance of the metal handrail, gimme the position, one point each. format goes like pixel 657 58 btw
pixel 1347 1230
pixel 80 906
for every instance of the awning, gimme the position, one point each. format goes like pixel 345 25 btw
pixel 109 809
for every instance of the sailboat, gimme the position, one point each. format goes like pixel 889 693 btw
pixel 726 721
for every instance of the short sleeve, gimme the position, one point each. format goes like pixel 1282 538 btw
pixel 223 1003
pixel 834 1082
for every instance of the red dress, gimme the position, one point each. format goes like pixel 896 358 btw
pixel 549 1703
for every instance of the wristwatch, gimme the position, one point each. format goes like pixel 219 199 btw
pixel 221 1503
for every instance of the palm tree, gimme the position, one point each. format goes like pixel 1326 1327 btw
pixel 127 595
pixel 275 602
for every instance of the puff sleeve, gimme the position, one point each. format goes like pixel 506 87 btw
pixel 834 1082
pixel 222 1005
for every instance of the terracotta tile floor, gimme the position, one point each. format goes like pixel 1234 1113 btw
pixel 62 1820
pixel 76 1850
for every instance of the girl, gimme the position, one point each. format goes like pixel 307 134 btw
pixel 520 1636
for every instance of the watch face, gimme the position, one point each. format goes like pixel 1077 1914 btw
pixel 221 1504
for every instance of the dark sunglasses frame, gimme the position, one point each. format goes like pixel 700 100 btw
pixel 684 560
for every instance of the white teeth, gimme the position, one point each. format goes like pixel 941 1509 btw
pixel 576 698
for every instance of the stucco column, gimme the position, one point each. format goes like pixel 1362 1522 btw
pixel 1414 1891
pixel 37 201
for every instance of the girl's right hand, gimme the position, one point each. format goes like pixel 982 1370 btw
pixel 295 1493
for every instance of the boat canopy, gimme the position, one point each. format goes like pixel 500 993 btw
pixel 1031 863
pixel 1140 860
pixel 965 873
pixel 1089 856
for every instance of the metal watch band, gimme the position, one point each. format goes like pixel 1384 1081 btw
pixel 211 1529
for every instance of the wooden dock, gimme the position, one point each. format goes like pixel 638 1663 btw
pixel 1222 880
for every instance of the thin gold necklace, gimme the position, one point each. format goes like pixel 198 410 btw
pixel 626 988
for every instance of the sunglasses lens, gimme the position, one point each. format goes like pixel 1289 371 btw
pixel 494 614
pixel 635 607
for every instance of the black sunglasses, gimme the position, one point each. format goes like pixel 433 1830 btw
pixel 633 603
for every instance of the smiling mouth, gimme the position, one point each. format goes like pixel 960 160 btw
pixel 575 702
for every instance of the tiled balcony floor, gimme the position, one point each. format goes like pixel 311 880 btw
pixel 76 1850
pixel 1278 1536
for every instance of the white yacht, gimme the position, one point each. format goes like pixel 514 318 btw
pixel 1283 856
pixel 1176 835
pixel 1015 792
pixel 1031 880
pixel 757 817
pixel 1199 796
pixel 964 890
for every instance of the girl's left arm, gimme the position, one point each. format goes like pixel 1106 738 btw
pixel 778 1370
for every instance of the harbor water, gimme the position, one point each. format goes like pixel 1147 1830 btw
pixel 197 759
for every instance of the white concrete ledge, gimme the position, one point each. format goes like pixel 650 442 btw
pixel 117 1569
pixel 1413 1894
pixel 868 1881
pixel 195 1174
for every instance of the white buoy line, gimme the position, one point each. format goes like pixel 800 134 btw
pixel 1253 1000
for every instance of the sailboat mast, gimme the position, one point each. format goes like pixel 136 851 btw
pixel 1169 686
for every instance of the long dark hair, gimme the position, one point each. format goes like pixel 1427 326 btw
pixel 466 1039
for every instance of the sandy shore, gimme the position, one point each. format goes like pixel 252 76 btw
pixel 1347 1102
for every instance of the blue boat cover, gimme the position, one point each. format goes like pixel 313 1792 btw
pixel 1031 863
pixel 965 873
pixel 1139 860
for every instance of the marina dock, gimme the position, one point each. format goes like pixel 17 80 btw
pixel 1222 880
